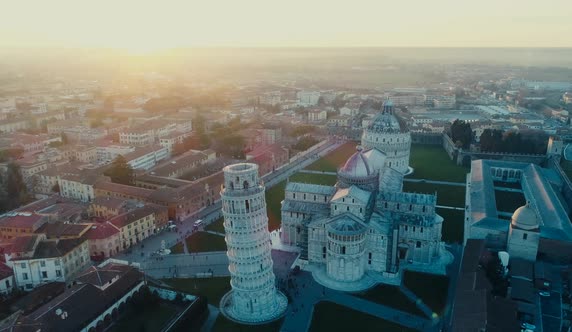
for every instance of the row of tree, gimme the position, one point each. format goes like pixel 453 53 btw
pixel 495 140
pixel 461 133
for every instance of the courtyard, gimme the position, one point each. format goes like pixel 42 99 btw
pixel 211 288
pixel 432 162
pixel 430 288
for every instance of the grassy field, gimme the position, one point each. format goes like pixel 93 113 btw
pixel 431 289
pixel 432 163
pixel 453 225
pixel 216 226
pixel 223 325
pixel 446 195
pixel 201 242
pixel 150 319
pixel 274 196
pixel 329 317
pixel 324 179
pixel 509 201
pixel 211 288
pixel 392 297
pixel 335 159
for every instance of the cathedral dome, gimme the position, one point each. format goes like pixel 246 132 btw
pixel 525 218
pixel 357 165
pixel 346 226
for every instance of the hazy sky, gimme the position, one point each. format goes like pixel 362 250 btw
pixel 145 25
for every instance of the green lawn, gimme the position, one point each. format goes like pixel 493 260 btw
pixel 150 319
pixel 432 289
pixel 224 325
pixel 335 159
pixel 509 201
pixel 216 226
pixel 201 242
pixel 446 195
pixel 432 162
pixel 392 297
pixel 453 225
pixel 211 288
pixel 274 197
pixel 330 316
pixel 324 179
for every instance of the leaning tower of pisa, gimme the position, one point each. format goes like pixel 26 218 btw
pixel 254 297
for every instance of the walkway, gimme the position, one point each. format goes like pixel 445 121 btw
pixel 446 183
pixel 450 207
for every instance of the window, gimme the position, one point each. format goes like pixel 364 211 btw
pixel 418 244
pixel 24 276
pixel 23 265
pixel 524 236
pixel 43 263
pixel 58 273
pixel 44 274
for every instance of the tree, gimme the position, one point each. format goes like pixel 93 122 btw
pixel 14 186
pixel 121 172
pixel 461 131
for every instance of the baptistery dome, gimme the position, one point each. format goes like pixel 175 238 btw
pixel 390 136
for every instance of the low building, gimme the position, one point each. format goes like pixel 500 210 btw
pixel 79 186
pixel 106 206
pixel 107 289
pixel 7 282
pixel 104 240
pixel 52 260
pixel 268 158
pixel 180 165
pixel 16 224
pixel 135 226
pixel 317 115
pixel 340 121
pixel 146 157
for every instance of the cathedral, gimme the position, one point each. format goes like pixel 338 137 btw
pixel 365 229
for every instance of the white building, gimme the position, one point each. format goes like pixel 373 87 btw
pixel 317 115
pixel 53 260
pixel 146 157
pixel 363 228
pixel 308 98
pixel 389 136
pixel 254 297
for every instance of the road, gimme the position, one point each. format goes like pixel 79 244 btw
pixel 143 251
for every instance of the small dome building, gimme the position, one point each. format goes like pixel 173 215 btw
pixel 524 233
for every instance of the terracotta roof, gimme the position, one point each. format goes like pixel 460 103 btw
pixel 101 231
pixel 109 202
pixel 5 271
pixel 127 218
pixel 124 189
pixel 59 248
pixel 20 221
pixel 72 301
pixel 57 230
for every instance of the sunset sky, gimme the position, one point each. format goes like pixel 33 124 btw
pixel 144 26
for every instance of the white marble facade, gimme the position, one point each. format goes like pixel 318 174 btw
pixel 364 224
pixel 254 297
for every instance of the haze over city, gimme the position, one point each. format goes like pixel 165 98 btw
pixel 286 166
